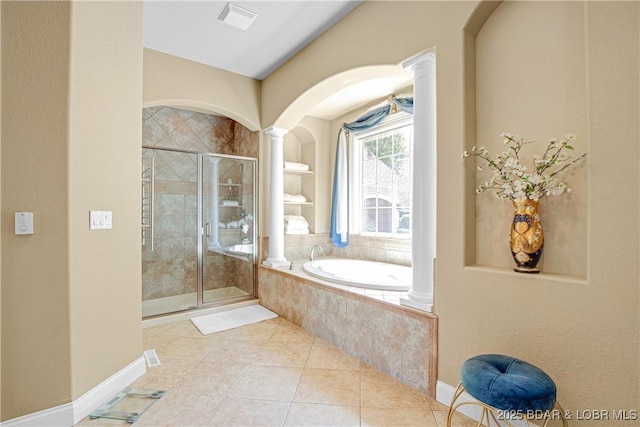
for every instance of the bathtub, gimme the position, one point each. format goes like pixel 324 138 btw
pixel 360 273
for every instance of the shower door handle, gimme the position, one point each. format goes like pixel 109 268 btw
pixel 207 229
pixel 152 198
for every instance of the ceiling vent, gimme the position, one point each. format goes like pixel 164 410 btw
pixel 237 16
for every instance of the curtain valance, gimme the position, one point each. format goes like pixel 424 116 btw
pixel 339 230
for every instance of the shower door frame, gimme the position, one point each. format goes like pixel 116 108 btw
pixel 201 229
pixel 202 232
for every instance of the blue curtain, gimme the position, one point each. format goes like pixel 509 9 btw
pixel 339 231
pixel 405 104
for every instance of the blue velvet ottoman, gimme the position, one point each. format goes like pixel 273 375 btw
pixel 507 388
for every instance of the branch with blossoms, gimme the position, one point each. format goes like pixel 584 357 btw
pixel 512 180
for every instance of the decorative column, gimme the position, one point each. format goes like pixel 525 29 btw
pixel 276 199
pixel 423 215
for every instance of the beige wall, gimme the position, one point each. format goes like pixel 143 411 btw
pixel 35 273
pixel 105 130
pixel 582 329
pixel 176 82
pixel 573 325
pixel 71 115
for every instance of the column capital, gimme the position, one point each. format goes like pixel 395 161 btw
pixel 275 132
pixel 424 59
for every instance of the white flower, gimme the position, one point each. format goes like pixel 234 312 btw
pixel 511 179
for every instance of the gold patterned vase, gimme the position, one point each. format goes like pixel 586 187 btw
pixel 526 237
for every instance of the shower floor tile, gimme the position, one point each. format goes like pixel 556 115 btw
pixel 271 373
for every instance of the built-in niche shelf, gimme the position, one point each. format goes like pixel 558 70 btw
pixel 298 203
pixel 229 194
pixel 297 172
pixel 300 174
pixel 552 277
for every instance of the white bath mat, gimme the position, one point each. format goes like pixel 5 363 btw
pixel 230 319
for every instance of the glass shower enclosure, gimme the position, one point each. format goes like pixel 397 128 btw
pixel 198 230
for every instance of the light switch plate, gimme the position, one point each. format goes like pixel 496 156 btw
pixel 100 220
pixel 24 222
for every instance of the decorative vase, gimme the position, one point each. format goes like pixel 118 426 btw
pixel 526 238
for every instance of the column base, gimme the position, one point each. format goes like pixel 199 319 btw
pixel 419 302
pixel 277 262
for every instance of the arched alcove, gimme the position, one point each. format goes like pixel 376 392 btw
pixel 536 102
pixel 338 89
pixel 205 108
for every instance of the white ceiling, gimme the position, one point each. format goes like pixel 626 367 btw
pixel 191 30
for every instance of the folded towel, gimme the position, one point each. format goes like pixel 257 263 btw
pixel 296 166
pixel 296 231
pixel 233 224
pixel 229 203
pixel 295 220
pixel 222 225
pixel 294 198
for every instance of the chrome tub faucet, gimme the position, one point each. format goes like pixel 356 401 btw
pixel 313 250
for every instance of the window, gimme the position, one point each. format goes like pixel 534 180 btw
pixel 381 181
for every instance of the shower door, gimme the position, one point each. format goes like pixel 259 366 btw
pixel 198 230
pixel 228 218
pixel 169 231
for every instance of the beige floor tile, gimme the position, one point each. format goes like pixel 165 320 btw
pixel 268 383
pixel 153 341
pixel 257 332
pixel 326 356
pixel 329 386
pixel 284 354
pixel 271 373
pixel 314 414
pixel 458 420
pixel 187 348
pixel 247 412
pixel 181 409
pixel 178 329
pixel 381 391
pixel 290 333
pixel 205 378
pixel 164 376
pixel 437 406
pixel 205 370
pixel 239 351
pixel 397 417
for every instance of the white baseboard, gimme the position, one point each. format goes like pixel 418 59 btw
pixel 72 413
pixel 107 389
pixel 445 392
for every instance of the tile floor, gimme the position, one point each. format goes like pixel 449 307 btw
pixel 271 373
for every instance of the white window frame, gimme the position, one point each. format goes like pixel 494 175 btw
pixel 393 121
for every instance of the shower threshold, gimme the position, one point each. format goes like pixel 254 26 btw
pixel 154 307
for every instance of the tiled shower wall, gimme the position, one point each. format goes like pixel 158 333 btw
pixel 171 269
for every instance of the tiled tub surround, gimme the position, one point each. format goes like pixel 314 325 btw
pixel 368 324
pixel 171 269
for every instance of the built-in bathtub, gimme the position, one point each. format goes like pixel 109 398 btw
pixel 361 273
